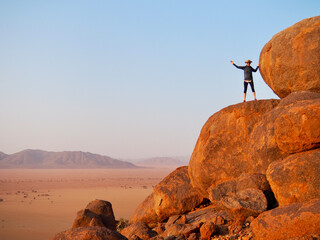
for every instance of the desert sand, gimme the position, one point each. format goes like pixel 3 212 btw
pixel 38 203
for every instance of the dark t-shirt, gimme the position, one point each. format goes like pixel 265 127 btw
pixel 247 71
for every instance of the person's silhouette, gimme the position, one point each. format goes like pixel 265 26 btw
pixel 248 79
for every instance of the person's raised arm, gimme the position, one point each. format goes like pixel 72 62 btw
pixel 236 65
pixel 256 69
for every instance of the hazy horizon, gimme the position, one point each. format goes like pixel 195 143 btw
pixel 182 158
pixel 128 79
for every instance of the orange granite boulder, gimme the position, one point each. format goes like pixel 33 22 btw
pixel 245 203
pixel 145 212
pixel 290 61
pixel 293 221
pixel 140 230
pixel 87 218
pixel 298 127
pixel 232 187
pixel 173 195
pixel 286 129
pixel 221 150
pixel 104 210
pixel 96 213
pixel 296 178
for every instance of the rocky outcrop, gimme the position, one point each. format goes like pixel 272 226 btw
pixel 292 221
pixel 198 224
pixel 96 221
pixel 210 213
pixel 96 213
pixel 290 61
pixel 208 230
pixel 104 210
pixel 246 181
pixel 220 153
pixel 89 233
pixel 296 129
pixel 145 212
pixel 242 143
pixel 246 203
pixel 173 195
pixel 140 230
pixel 284 130
pixel 87 218
pixel 296 178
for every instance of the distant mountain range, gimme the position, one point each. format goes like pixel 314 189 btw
pixel 77 159
pixel 42 159
pixel 3 155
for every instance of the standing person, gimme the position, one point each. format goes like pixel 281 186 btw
pixel 248 79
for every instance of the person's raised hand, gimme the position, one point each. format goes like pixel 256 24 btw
pixel 231 62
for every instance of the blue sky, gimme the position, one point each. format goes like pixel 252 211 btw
pixel 128 79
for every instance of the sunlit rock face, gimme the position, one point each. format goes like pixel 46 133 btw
pixel 290 61
pixel 220 153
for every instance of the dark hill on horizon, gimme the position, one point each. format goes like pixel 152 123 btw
pixel 60 160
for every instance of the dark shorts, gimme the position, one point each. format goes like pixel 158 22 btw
pixel 246 86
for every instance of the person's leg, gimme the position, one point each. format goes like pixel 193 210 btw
pixel 245 84
pixel 253 91
pixel 254 94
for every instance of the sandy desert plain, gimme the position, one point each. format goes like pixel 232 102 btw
pixel 35 204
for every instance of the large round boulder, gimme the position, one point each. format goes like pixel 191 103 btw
pixel 286 129
pixel 104 210
pixel 220 153
pixel 96 213
pixel 87 218
pixel 173 195
pixel 290 61
pixel 145 213
pixel 296 178
pixel 294 221
pixel 298 128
